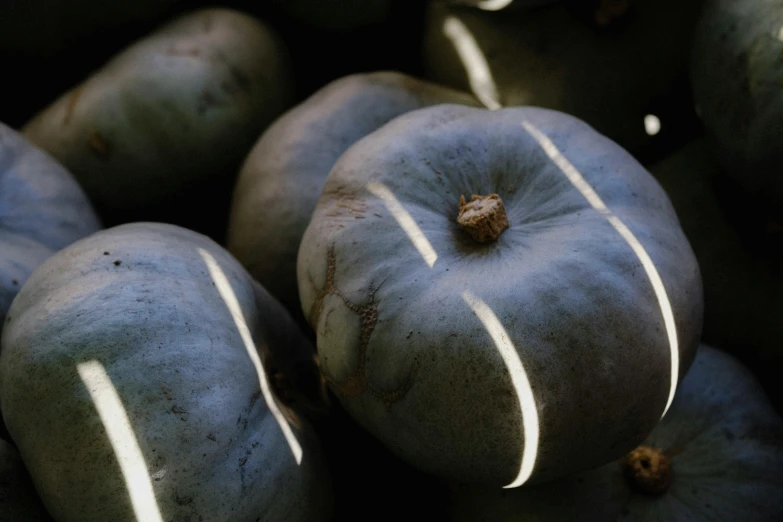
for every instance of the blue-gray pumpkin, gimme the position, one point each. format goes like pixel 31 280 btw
pixel 133 379
pixel 717 455
pixel 551 57
pixel 42 209
pixel 534 331
pixel 282 177
pixel 736 76
pixel 179 108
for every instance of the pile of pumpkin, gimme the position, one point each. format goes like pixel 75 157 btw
pixel 479 295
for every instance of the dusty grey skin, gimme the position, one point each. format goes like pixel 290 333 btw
pixel 42 209
pixel 18 500
pixel 551 58
pixel 400 345
pixel 743 292
pixel 725 444
pixel 177 108
pixel 337 14
pixel 43 28
pixel 140 300
pixel 736 77
pixel 282 177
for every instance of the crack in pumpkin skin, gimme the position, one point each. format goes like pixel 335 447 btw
pixel 356 383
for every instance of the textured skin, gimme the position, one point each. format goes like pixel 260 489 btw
pixel 18 500
pixel 727 464
pixel 157 323
pixel 570 292
pixel 180 107
pixel 743 291
pixel 551 58
pixel 736 75
pixel 42 210
pixel 282 177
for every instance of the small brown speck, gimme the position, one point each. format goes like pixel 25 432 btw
pixel 14 282
pixel 177 409
pixel 106 253
pixel 212 437
pixel 99 145
pixel 117 263
pixel 243 461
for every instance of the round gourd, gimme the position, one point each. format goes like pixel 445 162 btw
pixel 559 58
pixel 132 378
pixel 736 76
pixel 178 109
pixel 42 210
pixel 722 447
pixel 743 290
pixel 480 361
pixel 18 499
pixel 282 177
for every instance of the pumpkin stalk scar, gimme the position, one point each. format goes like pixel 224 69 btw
pixel 356 383
pixel 484 217
pixel 648 470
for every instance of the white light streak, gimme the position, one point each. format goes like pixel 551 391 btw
pixel 520 382
pixel 406 222
pixel 123 441
pixel 576 179
pixel 479 74
pixel 232 303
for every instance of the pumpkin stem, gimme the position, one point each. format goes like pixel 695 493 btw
pixel 484 217
pixel 648 470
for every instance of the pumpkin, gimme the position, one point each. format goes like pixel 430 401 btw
pixel 18 500
pixel 717 455
pixel 177 110
pixel 731 272
pixel 477 349
pixel 282 177
pixel 42 210
pixel 608 67
pixel 132 378
pixel 736 75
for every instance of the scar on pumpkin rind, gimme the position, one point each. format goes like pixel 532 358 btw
pixel 356 383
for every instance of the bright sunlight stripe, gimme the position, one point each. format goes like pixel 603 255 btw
pixel 230 298
pixel 576 179
pixel 479 75
pixel 494 5
pixel 520 381
pixel 406 222
pixel 123 441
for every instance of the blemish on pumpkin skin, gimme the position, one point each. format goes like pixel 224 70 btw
pixel 72 101
pixel 99 145
pixel 356 383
